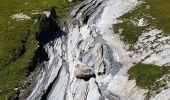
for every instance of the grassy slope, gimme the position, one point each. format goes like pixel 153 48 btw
pixel 158 9
pixel 17 39
pixel 147 74
pixel 130 32
pixel 157 14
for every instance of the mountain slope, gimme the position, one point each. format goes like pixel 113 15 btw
pixel 94 57
pixel 104 50
pixel 18 24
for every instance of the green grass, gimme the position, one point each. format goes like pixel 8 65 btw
pixel 130 32
pixel 17 39
pixel 157 14
pixel 146 75
pixel 160 11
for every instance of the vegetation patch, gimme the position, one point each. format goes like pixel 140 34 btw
pixel 17 39
pixel 155 12
pixel 146 75
pixel 130 32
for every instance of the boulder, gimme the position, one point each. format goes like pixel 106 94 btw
pixel 83 72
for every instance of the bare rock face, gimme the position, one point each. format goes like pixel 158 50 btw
pixel 83 72
pixel 98 56
pixel 89 11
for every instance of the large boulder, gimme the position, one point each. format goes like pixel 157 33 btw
pixel 83 72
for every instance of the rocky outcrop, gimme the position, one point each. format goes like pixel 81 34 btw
pixel 90 50
pixel 83 45
pixel 70 0
pixel 88 12
pixel 48 28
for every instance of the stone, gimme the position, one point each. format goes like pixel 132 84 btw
pixel 83 72
pixel 70 0
pixel 20 16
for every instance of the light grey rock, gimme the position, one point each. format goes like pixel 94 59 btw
pixel 84 52
pixel 88 12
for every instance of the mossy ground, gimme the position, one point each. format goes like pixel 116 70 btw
pixel 157 14
pixel 146 75
pixel 17 39
pixel 130 32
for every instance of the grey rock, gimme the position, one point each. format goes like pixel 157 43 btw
pixel 83 72
pixel 88 12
